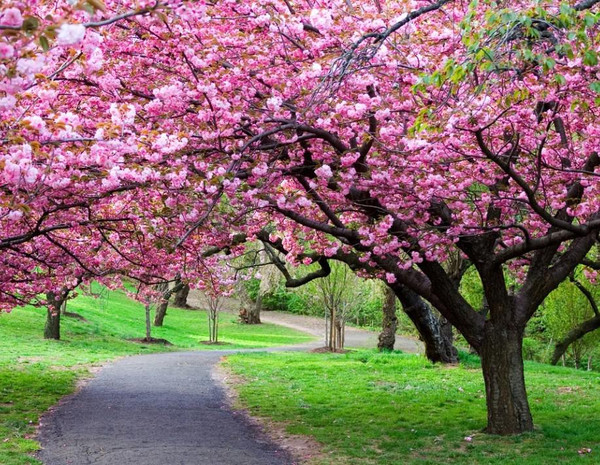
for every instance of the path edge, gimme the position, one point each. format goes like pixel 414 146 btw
pixel 81 382
pixel 304 450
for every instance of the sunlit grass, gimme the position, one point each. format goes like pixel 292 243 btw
pixel 384 409
pixel 35 373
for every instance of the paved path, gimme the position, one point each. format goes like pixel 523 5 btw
pixel 165 409
pixel 354 337
pixel 159 409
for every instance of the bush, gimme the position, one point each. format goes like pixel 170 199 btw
pixel 536 350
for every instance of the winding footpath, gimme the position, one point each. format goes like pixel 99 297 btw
pixel 164 409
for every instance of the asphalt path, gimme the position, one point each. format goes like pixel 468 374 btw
pixel 162 409
pixel 159 409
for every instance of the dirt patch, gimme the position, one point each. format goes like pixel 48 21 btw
pixel 304 449
pixel 32 359
pixel 210 343
pixel 568 389
pixel 76 316
pixel 83 380
pixel 327 350
pixel 152 340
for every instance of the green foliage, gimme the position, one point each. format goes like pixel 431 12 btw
pixel 381 409
pixel 252 287
pixel 564 309
pixel 471 288
pixel 536 349
pixel 364 300
pixel 35 373
pixel 279 299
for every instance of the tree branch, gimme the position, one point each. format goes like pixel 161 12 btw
pixel 588 295
pixel 323 272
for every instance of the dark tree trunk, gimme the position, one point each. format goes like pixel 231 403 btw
pixel 387 337
pixel 438 348
pixel 575 334
pixel 163 305
pixel 181 297
pixel 161 311
pixel 52 328
pixel 502 365
pixel 448 333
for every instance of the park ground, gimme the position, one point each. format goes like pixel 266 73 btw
pixel 361 407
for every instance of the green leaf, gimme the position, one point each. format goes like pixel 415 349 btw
pixel 548 64
pixel 31 23
pixel 589 19
pixel 560 79
pixel 44 43
pixel 595 86
pixel 590 58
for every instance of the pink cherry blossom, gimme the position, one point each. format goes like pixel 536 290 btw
pixel 70 34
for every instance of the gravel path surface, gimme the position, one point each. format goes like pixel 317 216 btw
pixel 166 409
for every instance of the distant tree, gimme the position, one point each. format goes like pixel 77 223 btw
pixel 214 304
pixel 56 305
pixel 163 304
pixel 181 296
pixel 55 302
pixel 571 316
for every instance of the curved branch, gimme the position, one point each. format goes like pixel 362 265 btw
pixel 320 202
pixel 588 295
pixel 535 244
pixel 585 5
pixel 129 14
pixel 323 272
pixel 575 334
pixel 532 202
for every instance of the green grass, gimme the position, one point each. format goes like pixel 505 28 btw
pixel 386 409
pixel 35 373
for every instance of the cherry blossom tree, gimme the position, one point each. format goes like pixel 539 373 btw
pixel 393 135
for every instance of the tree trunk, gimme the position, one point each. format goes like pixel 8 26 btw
pixel 575 334
pixel 213 326
pixel 148 326
pixel 181 297
pixel 503 374
pixel 163 305
pixel 253 313
pixel 52 327
pixel 438 348
pixel 332 329
pixel 448 333
pixel 339 332
pixel 161 311
pixel 387 337
pixel 327 331
pixel 216 327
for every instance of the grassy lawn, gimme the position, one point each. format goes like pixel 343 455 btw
pixel 36 373
pixel 386 409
